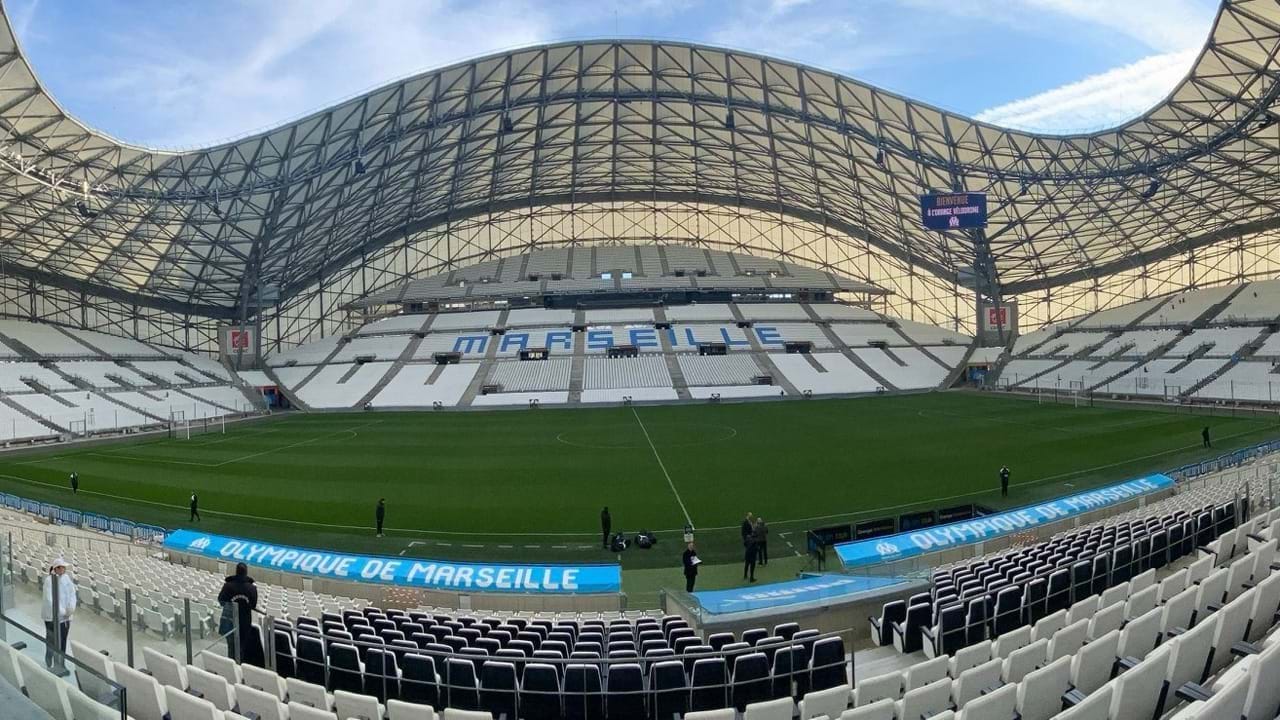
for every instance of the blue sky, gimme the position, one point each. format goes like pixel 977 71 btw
pixel 180 74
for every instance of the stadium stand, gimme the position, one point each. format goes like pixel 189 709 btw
pixel 1136 343
pixel 425 385
pixel 836 312
pixel 384 347
pixel 712 312
pixel 342 385
pixel 638 316
pixel 1185 308
pixel 1160 378
pixel 617 373
pixel 772 311
pixel 101 374
pixel 538 317
pixel 46 341
pixel 824 373
pixel 1069 344
pixel 923 334
pixel 14 377
pixel 1257 302
pixel 394 324
pixel 906 368
pixel 718 370
pixel 864 334
pixel 1217 342
pixel 1257 381
pixel 309 354
pixel 538 376
pixel 1119 317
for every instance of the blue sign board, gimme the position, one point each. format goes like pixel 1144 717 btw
pixel 408 572
pixel 953 211
pixel 942 537
pixel 792 592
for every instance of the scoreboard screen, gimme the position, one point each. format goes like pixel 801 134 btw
pixel 953 211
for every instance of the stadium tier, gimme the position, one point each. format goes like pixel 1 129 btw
pixel 1211 345
pixel 61 382
pixel 394 362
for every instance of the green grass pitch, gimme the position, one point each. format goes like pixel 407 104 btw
pixel 529 484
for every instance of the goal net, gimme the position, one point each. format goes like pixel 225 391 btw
pixel 179 426
pixel 1077 393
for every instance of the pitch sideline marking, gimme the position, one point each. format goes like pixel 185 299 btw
pixel 662 465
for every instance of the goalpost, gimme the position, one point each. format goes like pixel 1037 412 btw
pixel 179 426
pixel 1076 388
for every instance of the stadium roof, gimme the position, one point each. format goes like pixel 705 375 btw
pixel 617 120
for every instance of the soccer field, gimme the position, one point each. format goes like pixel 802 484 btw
pixel 529 484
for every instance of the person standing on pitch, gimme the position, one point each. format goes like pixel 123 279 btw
pixel 1204 435
pixel 761 536
pixel 66 608
pixel 1004 481
pixel 606 524
pixel 691 561
pixel 75 483
pixel 380 514
pixel 752 552
pixel 195 506
pixel 748 529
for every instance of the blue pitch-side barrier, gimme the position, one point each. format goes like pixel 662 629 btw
pixel 1223 462
pixel 408 572
pixel 792 592
pixel 79 518
pixel 890 548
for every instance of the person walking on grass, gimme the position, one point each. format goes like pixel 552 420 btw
pixel 1004 481
pixel 1204 435
pixel 606 525
pixel 380 514
pixel 690 561
pixel 195 506
pixel 75 483
pixel 66 608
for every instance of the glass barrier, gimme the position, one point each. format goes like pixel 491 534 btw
pixel 56 681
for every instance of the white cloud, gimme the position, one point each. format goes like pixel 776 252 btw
pixel 194 96
pixel 1097 101
pixel 1164 25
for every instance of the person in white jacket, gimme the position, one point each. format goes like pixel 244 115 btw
pixel 66 608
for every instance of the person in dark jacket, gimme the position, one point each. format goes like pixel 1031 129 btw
pixel 75 483
pixel 606 525
pixel 1204 435
pixel 690 561
pixel 748 529
pixel 1004 481
pixel 195 506
pixel 380 514
pixel 240 595
pixel 761 536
